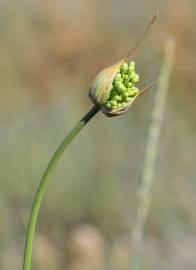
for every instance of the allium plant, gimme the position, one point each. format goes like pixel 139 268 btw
pixel 113 91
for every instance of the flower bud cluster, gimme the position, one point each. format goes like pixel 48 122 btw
pixel 123 88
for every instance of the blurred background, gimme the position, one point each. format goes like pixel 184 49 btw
pixel 49 53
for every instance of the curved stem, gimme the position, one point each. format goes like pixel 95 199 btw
pixel 42 186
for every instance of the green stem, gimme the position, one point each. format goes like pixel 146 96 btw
pixel 42 186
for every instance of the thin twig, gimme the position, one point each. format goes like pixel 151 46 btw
pixel 147 175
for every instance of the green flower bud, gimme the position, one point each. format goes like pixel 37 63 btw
pixel 122 88
pixel 118 77
pixel 124 67
pixel 129 85
pixel 132 65
pixel 112 95
pixel 117 98
pixel 126 77
pixel 132 75
pixel 125 94
pixel 113 90
pixel 108 105
pixel 136 78
pixel 117 83
pixel 136 90
pixel 128 99
pixel 114 102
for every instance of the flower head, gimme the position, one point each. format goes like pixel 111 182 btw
pixel 123 88
pixel 113 90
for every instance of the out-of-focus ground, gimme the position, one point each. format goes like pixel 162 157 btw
pixel 49 53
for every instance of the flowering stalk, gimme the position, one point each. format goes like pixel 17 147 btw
pixel 41 189
pixel 113 92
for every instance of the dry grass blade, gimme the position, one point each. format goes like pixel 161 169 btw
pixel 147 176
